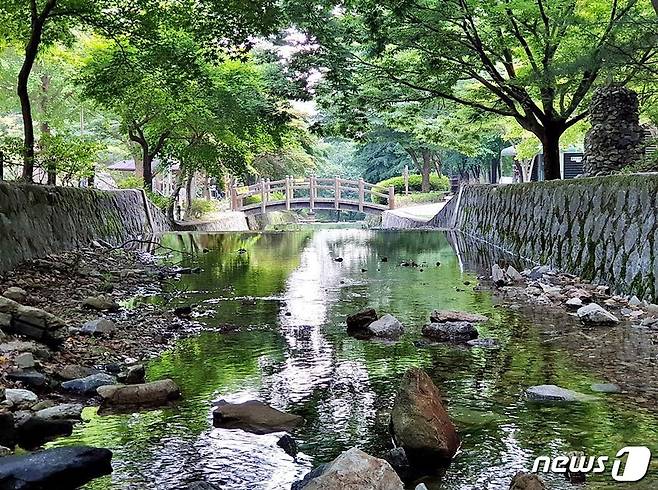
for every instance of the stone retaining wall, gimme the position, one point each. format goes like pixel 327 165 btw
pixel 39 220
pixel 603 229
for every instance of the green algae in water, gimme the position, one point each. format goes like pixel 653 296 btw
pixel 290 298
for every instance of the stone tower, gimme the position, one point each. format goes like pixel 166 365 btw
pixel 616 137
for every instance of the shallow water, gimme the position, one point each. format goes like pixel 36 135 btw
pixel 289 299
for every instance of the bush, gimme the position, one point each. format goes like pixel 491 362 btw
pixel 256 198
pixel 201 207
pixel 415 182
pixel 131 182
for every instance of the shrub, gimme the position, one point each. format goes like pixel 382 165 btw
pixel 131 182
pixel 201 207
pixel 437 183
pixel 256 198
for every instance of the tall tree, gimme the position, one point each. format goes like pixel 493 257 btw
pixel 534 61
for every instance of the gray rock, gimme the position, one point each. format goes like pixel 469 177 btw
pixel 100 303
pixel 514 275
pixel 634 301
pixel 15 293
pixel 450 331
pixel 39 351
pixel 132 375
pixel 154 393
pixel 574 303
pixel 100 326
pixel 201 485
pixel 484 343
pixel 89 384
pixel 441 316
pixel 526 481
pixel 58 468
pixel 66 411
pixel 20 398
pixel 605 388
pixel 498 275
pixel 29 377
pixel 387 326
pixel 73 371
pixel 359 321
pixel 552 393
pixel 34 432
pixel 596 315
pixel 356 469
pixel 32 322
pixel 397 458
pixel 254 416
pixel 24 360
pixel 289 445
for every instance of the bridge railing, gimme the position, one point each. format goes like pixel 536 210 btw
pixel 312 190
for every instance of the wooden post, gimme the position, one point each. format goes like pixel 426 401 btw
pixel 406 179
pixel 391 197
pixel 262 195
pixel 288 192
pixel 311 192
pixel 234 198
pixel 361 194
pixel 337 192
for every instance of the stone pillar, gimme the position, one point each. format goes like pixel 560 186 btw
pixel 616 137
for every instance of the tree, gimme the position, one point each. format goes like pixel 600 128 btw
pixel 536 62
pixel 222 25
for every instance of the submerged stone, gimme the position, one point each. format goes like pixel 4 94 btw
pixel 553 393
pixel 154 393
pixel 442 316
pixel 361 320
pixel 58 468
pixel 450 331
pixel 254 416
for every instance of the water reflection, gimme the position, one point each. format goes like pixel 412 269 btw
pixel 290 298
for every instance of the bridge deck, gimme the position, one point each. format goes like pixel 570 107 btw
pixel 317 193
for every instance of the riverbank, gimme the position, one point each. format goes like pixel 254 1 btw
pixel 89 295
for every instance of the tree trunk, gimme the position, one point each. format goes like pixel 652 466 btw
pixel 426 170
pixel 147 168
pixel 655 5
pixel 2 165
pixel 189 190
pixel 551 144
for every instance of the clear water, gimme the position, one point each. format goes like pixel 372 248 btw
pixel 285 301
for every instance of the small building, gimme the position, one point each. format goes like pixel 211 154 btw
pixel 571 164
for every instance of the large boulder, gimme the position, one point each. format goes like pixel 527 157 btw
pixel 360 321
pixel 254 416
pixel 31 322
pixel 154 393
pixel 420 423
pixel 387 326
pixel 64 467
pixel 450 331
pixel 354 469
pixel 526 481
pixel 441 316
pixel 89 384
pixel 595 314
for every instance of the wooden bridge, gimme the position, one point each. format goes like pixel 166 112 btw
pixel 310 193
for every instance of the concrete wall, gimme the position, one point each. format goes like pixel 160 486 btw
pixel 39 220
pixel 604 229
pixel 222 221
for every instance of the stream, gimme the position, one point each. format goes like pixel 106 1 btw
pixel 273 322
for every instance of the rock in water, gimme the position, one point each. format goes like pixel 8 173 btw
pixel 59 468
pixel 596 315
pixel 387 326
pixel 253 416
pixel 355 469
pixel 441 316
pixel 201 485
pixel 154 393
pixel 361 320
pixel 66 411
pixel 35 431
pixel 7 430
pixel 420 423
pixel 90 384
pixel 289 445
pixel 100 326
pixel 451 331
pixel 526 481
pixel 552 393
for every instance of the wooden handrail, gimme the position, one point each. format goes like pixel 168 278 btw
pixel 337 191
